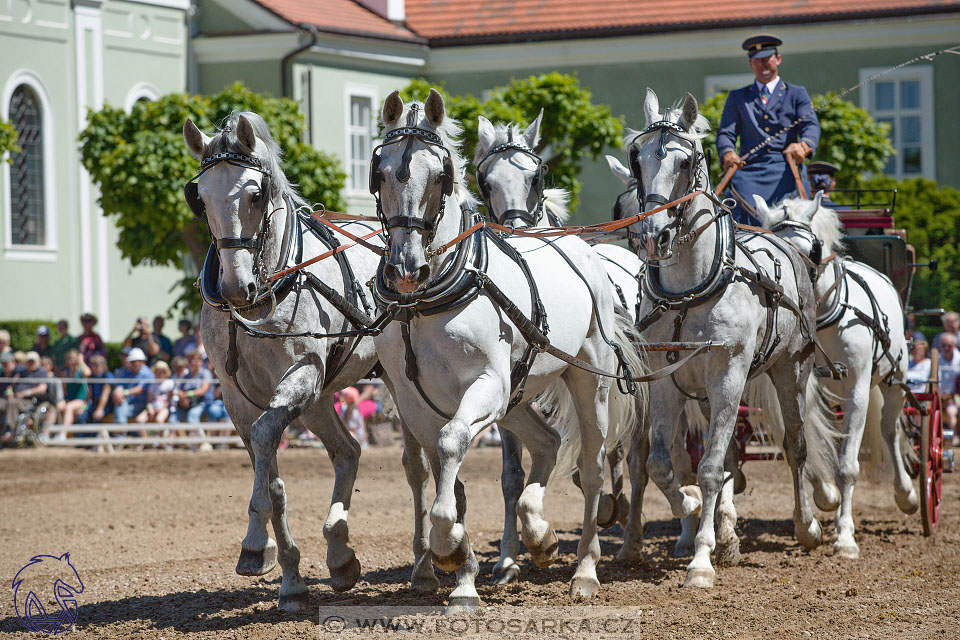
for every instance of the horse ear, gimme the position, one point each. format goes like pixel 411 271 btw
pixel 690 111
pixel 816 202
pixel 617 169
pixel 651 107
pixel 763 210
pixel 485 134
pixel 245 134
pixel 392 108
pixel 196 140
pixel 434 108
pixel 532 133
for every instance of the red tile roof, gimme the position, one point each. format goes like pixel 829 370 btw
pixel 339 16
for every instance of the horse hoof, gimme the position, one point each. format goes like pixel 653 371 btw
pixel 294 602
pixel 700 578
pixel 629 555
pixel 344 577
pixel 459 605
pixel 425 584
pixel 728 555
pixel 607 511
pixel 908 503
pixel 257 562
pixel 505 574
pixel 847 551
pixel 693 491
pixel 455 560
pixel 547 552
pixel 682 550
pixel 826 496
pixel 810 537
pixel 623 504
pixel 584 588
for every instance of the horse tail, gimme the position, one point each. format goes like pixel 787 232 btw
pixel 625 410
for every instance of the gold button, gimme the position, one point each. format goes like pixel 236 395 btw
pixel 765 116
pixel 766 128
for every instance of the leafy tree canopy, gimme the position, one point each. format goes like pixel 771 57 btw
pixel 573 127
pixel 850 138
pixel 140 163
pixel 8 139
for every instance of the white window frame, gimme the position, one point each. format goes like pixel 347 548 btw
pixel 139 92
pixel 712 85
pixel 358 91
pixel 924 74
pixel 46 252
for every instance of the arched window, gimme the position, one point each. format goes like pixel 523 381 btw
pixel 27 214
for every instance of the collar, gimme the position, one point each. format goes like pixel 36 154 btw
pixel 771 86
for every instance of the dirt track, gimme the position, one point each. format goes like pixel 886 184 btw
pixel 155 538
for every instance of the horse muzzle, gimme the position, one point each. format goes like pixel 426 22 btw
pixel 406 280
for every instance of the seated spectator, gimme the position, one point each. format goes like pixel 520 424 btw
pixel 64 344
pixel 368 403
pixel 213 409
pixel 919 370
pixel 130 398
pixel 75 394
pixel 189 393
pixel 911 332
pixel 166 347
pixel 186 342
pixel 158 405
pixel 91 344
pixel 5 341
pixel 351 417
pixel 951 325
pixel 42 346
pixel 101 403
pixel 949 365
pixel 23 396
pixel 20 357
pixel 10 369
pixel 141 337
pixel 54 387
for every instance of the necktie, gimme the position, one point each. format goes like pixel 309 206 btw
pixel 765 94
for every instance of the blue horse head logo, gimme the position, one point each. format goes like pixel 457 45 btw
pixel 41 582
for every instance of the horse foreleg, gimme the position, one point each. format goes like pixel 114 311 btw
pixel 294 595
pixel 637 465
pixel 683 468
pixel 665 407
pixel 854 421
pixel 423 579
pixel 507 569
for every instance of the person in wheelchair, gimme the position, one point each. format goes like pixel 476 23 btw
pixel 21 398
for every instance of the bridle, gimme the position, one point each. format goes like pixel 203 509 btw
pixel 618 208
pixel 446 179
pixel 696 179
pixel 814 259
pixel 252 243
pixel 532 214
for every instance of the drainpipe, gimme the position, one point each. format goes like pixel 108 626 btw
pixel 284 84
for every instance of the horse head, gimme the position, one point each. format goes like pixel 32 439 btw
pixel 239 187
pixel 510 174
pixel 666 160
pixel 808 225
pixel 411 174
pixel 626 205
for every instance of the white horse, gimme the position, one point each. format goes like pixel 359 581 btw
pixel 452 359
pixel 859 311
pixel 511 179
pixel 251 210
pixel 750 292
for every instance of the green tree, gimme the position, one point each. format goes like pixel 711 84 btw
pixel 8 139
pixel 573 127
pixel 850 138
pixel 140 163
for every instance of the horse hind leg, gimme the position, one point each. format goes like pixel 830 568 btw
pixel 904 491
pixel 464 597
pixel 683 468
pixel 423 578
pixel 728 544
pixel 854 421
pixel 507 569
pixel 637 465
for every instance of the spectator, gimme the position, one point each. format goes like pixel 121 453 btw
pixel 141 337
pixel 54 387
pixel 911 332
pixel 186 342
pixel 951 325
pixel 166 347
pixel 158 407
pixel 199 340
pixel 351 417
pixel 75 394
pixel 20 357
pixel 368 404
pixel 64 344
pixel 22 396
pixel 213 409
pixel 949 365
pixel 42 346
pixel 919 370
pixel 101 403
pixel 189 393
pixel 10 369
pixel 130 398
pixel 91 344
pixel 5 341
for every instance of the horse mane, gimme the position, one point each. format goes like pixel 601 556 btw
pixel 699 130
pixel 555 201
pixel 449 132
pixel 824 221
pixel 225 141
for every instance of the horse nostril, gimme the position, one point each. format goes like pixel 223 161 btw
pixel 423 273
pixel 390 272
pixel 251 291
pixel 663 238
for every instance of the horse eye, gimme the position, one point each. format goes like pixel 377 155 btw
pixel 255 197
pixel 685 163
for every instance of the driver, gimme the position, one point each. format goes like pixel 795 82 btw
pixel 766 107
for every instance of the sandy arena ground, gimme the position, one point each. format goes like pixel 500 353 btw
pixel 155 538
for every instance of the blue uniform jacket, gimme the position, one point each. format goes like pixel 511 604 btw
pixel 766 173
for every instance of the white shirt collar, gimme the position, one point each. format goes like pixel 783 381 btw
pixel 771 86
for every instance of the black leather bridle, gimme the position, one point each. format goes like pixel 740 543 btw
pixel 535 199
pixel 816 250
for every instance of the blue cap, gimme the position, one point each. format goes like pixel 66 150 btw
pixel 762 45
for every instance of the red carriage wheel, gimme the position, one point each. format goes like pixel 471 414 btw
pixel 931 457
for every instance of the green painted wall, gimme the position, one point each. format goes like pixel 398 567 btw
pixel 212 18
pixel 259 75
